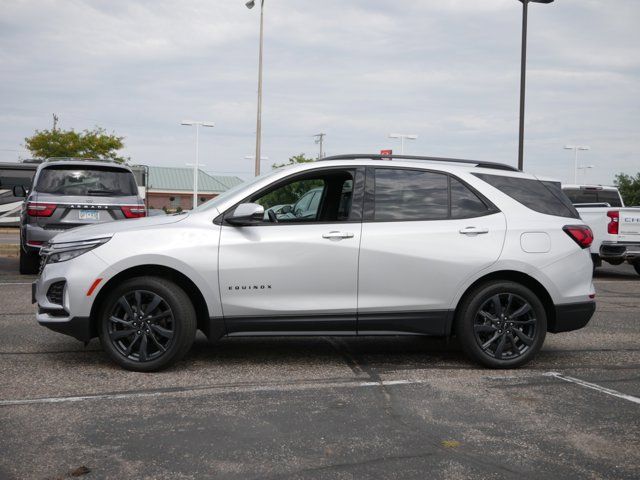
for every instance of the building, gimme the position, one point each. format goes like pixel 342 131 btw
pixel 171 188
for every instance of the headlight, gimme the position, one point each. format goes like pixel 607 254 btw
pixel 61 252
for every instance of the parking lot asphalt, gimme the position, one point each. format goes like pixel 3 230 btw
pixel 397 407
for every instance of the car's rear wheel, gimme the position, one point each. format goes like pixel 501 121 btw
pixel 147 324
pixel 501 324
pixel 29 262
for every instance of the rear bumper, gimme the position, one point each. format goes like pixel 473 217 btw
pixel 572 316
pixel 620 251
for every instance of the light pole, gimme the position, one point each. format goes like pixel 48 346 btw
pixel 575 149
pixel 250 4
pixel 196 166
pixel 523 71
pixel 402 137
pixel 319 139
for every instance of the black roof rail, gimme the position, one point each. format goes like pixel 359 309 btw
pixel 79 159
pixel 376 156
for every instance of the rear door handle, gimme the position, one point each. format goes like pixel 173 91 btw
pixel 473 230
pixel 334 234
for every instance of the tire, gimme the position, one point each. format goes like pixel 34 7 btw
pixel 481 334
pixel 159 337
pixel 29 262
pixel 636 266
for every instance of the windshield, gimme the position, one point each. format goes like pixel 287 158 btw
pixel 75 180
pixel 214 202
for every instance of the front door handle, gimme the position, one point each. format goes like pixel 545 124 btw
pixel 473 230
pixel 337 235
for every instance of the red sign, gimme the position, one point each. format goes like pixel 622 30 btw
pixel 386 152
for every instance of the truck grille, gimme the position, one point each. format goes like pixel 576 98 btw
pixel 55 292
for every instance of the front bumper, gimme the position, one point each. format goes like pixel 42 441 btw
pixel 620 251
pixel 72 315
pixel 571 316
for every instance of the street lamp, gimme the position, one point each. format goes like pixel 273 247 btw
pixel 402 137
pixel 523 68
pixel 575 148
pixel 196 166
pixel 250 4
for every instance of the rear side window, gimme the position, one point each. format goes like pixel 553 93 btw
pixel 579 195
pixel 465 203
pixel 543 197
pixel 96 181
pixel 410 195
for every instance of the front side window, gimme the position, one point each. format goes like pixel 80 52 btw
pixel 85 181
pixel 402 194
pixel 322 197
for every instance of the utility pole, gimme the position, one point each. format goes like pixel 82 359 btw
pixel 250 4
pixel 55 122
pixel 319 138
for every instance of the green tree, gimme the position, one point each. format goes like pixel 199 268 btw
pixel 629 187
pixel 96 143
pixel 300 158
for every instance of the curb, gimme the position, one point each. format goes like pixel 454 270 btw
pixel 15 230
pixel 9 250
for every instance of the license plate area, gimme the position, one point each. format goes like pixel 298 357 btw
pixel 90 215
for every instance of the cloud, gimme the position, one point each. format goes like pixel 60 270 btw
pixel 447 71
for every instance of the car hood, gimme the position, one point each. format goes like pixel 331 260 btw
pixel 108 229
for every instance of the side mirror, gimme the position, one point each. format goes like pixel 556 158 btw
pixel 247 214
pixel 286 209
pixel 19 191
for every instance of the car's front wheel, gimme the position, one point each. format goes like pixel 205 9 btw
pixel 501 324
pixel 147 324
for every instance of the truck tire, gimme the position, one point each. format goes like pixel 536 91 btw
pixel 29 262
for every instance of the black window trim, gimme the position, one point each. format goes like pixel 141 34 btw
pixel 370 186
pixel 355 215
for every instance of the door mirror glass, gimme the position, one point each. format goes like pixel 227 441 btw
pixel 19 191
pixel 247 214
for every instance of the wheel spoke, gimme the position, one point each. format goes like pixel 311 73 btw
pixel 488 343
pixel 143 349
pixel 484 328
pixel 508 306
pixel 514 349
pixel 153 304
pixel 531 321
pixel 159 317
pixel 119 321
pixel 500 347
pixel 163 332
pixel 138 296
pixel 118 334
pixel 155 340
pixel 127 308
pixel 497 305
pixel 487 316
pixel 528 341
pixel 127 352
pixel 521 311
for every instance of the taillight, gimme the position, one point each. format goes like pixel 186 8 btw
pixel 614 222
pixel 581 234
pixel 134 211
pixel 35 209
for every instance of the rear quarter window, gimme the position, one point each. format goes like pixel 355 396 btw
pixel 542 197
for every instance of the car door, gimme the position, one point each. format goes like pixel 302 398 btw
pixel 299 274
pixel 418 247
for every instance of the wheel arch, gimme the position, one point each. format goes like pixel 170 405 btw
pixel 191 289
pixel 518 277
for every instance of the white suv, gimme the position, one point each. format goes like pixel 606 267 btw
pixel 402 245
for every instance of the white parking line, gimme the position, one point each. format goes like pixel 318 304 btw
pixel 223 389
pixel 593 386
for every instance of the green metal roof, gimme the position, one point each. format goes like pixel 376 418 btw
pixel 181 179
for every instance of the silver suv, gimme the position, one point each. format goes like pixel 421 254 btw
pixel 413 245
pixel 69 193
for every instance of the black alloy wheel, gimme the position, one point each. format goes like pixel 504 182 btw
pixel 501 324
pixel 147 323
pixel 141 325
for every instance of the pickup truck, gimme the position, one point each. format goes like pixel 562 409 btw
pixel 616 228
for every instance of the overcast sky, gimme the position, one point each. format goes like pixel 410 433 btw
pixel 446 70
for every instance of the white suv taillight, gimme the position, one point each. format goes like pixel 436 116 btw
pixel 614 222
pixel 134 211
pixel 581 234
